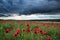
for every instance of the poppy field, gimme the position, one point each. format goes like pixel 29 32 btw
pixel 20 31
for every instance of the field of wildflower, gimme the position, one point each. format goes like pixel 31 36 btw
pixel 11 31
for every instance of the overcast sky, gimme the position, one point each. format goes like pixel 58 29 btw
pixel 29 6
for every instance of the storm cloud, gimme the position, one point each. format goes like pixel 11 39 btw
pixel 29 6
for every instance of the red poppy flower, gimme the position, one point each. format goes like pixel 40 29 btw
pixel 15 35
pixel 27 25
pixel 7 30
pixel 43 33
pixel 39 29
pixel 23 29
pixel 35 30
pixel 48 38
pixel 28 30
pixel 18 30
pixel 43 24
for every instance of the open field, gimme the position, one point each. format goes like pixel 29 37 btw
pixel 51 23
pixel 29 30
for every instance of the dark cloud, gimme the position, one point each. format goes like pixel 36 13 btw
pixel 29 6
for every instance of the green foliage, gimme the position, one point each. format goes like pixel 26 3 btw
pixel 53 32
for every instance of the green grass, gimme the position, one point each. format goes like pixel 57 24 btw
pixel 53 32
